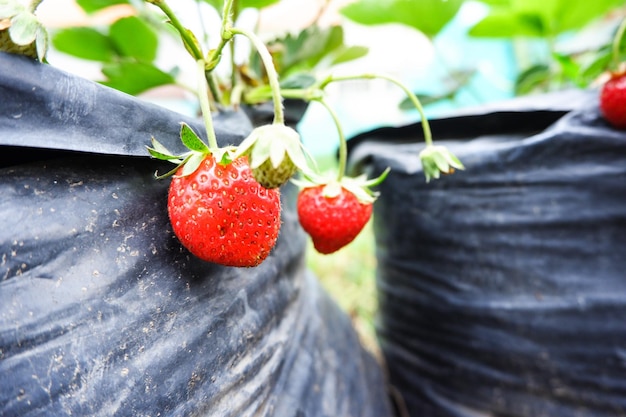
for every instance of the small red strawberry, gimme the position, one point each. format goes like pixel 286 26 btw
pixel 222 215
pixel 613 100
pixel 332 215
pixel 218 211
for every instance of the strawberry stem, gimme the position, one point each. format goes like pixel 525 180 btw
pixel 428 137
pixel 205 106
pixel 617 41
pixel 272 75
pixel 343 144
pixel 33 5
pixel 189 41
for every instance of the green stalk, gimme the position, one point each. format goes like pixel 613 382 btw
pixel 616 43
pixel 205 106
pixel 428 136
pixel 272 75
pixel 343 144
pixel 190 43
pixel 188 40
pixel 33 5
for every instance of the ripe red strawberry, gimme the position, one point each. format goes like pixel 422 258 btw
pixel 613 100
pixel 222 215
pixel 332 215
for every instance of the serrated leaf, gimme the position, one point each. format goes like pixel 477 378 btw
pixel 192 163
pixel 135 77
pixel 191 140
pixel 133 37
pixel 24 28
pixel 85 43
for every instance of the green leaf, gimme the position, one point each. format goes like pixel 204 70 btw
pixel 570 69
pixel 42 43
pixel 192 163
pixel 299 80
pixel 135 77
pixel 597 66
pixel 159 151
pixel 427 16
pixel 534 78
pixel 349 53
pixel 540 18
pixel 23 29
pixel 191 140
pixel 193 38
pixel 311 49
pixel 503 24
pixel 91 6
pixel 134 38
pixel 85 43
pixel 162 156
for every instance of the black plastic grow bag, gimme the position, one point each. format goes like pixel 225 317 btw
pixel 502 288
pixel 103 313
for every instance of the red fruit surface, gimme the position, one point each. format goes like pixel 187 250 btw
pixel 222 215
pixel 613 101
pixel 332 222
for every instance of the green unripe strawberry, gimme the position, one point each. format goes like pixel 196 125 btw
pixel 7 45
pixel 275 154
pixel 270 176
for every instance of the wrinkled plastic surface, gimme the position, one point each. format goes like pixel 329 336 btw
pixel 103 313
pixel 502 288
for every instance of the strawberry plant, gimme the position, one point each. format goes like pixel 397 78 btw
pixel 224 202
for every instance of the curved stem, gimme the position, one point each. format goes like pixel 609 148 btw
pixel 428 137
pixel 343 144
pixel 188 40
pixel 205 106
pixel 34 4
pixel 272 75
pixel 617 42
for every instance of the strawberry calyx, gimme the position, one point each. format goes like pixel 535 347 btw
pixel 191 160
pixel 360 186
pixel 437 160
pixel 275 154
